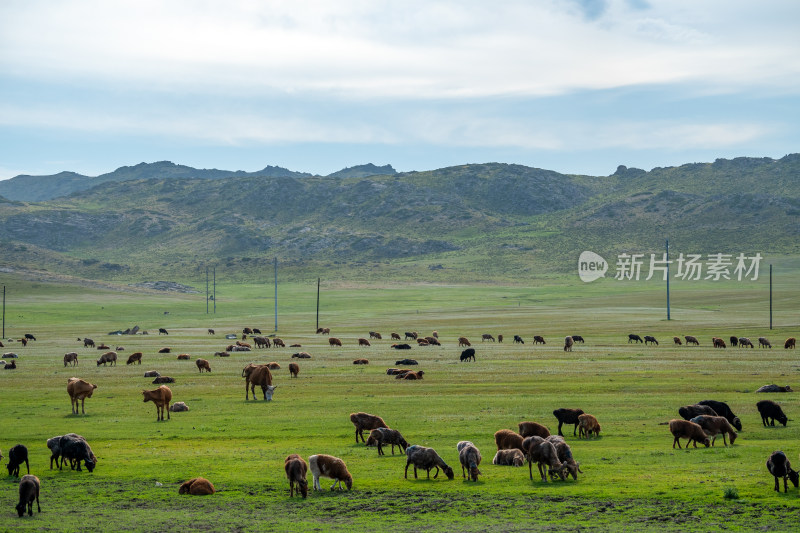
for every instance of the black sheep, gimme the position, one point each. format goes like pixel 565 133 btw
pixel 688 412
pixel 28 491
pixel 722 409
pixel 772 411
pixel 75 449
pixel 779 466
pixel 634 337
pixel 567 416
pixel 401 346
pixel 468 354
pixel 406 362
pixel 16 456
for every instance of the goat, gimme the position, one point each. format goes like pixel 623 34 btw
pixel 689 430
pixel 470 458
pixel 28 491
pixel 426 458
pixel 296 471
pixel 366 421
pixel 780 467
pixel 330 467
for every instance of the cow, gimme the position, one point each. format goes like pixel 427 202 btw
pixel 161 397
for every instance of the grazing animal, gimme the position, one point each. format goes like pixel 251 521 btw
pixel 330 467
pixel 505 439
pixel 687 412
pixel 689 430
pixel 28 491
pixel 366 422
pixel 780 467
pixel 744 342
pixel 650 339
pixel 243 344
pixel 467 354
pixel 433 341
pixel 23 340
pixel 162 330
pixel 361 361
pixel 333 341
pixel 261 342
pixel 538 339
pixel 202 364
pixel 774 388
pixel 273 366
pixel 406 362
pixel 401 346
pixel 279 342
pixel 71 358
pixel 422 342
pixel 568 342
pixel 363 342
pixel 294 369
pixel 88 343
pixel 198 486
pixel 160 380
pixel 530 429
pixel 577 338
pixel 108 357
pixel 179 407
pixel 261 376
pixel 395 336
pixel 79 389
pixel 770 412
pixel 588 424
pixel 634 338
pixel 513 457
pixel 734 341
pixel 151 374
pixel 381 437
pixel 790 343
pixel 470 458
pixel 722 409
pixel 29 337
pixel 691 340
pixel 16 456
pixel 165 350
pixel 324 331
pixel 161 397
pixel 257 331
pixel 301 355
pixel 463 341
pixel 136 357
pixel 210 331
pixel 677 340
pixel 375 335
pixel 75 449
pixel 567 416
pixel 411 335
pixel 718 343
pixel 186 357
pixel 296 472
pixel 763 342
pixel 487 337
pixel 426 458
pixel 565 456
pixel 518 340
pixel 499 339
pixel 247 331
pixel 716 425
pixel 53 443
pixel 543 452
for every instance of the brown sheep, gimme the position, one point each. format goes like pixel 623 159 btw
pixel 261 342
pixel 165 350
pixel 333 341
pixel 160 380
pixel 135 357
pixel 427 458
pixel 513 457
pixel 79 389
pixel 363 342
pixel 718 343
pixel 108 357
pixel 395 336
pixel 508 440
pixel 499 339
pixel 202 364
pixel 296 471
pixel 413 375
pixel 244 344
pixel 183 357
pixel 588 424
pixel 463 341
pixel 361 362
pixel 381 437
pixel 691 340
pixel 273 366
pixel 433 341
pixel 294 369
pixel 487 337
pixel 544 454
pixel 220 354
pixel 366 422
pixel 295 345
pixel 677 340
pixel 198 486
pixel 301 355
pixel 529 429
pixel 71 358
pixel 568 342
pixel 422 342
pixel 790 343
pixel 716 425
pixel 763 342
pixel 689 430
pixel 28 491
pixel 330 467
pixel 278 342
pixel 161 396
pixel 470 458
pixel 375 335
pixel 538 339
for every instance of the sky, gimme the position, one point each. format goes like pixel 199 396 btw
pixel 576 86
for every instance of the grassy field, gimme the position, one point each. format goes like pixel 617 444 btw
pixel 632 478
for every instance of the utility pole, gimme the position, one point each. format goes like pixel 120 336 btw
pixel 318 303
pixel 215 290
pixel 206 289
pixel 4 311
pixel 770 296
pixel 276 294
pixel 668 311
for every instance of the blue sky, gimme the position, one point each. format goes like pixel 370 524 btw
pixel 315 86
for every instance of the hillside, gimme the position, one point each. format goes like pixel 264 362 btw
pixel 469 222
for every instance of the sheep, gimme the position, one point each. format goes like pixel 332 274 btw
pixel 538 339
pixel 565 456
pixel 690 339
pixel 152 374
pixel 763 342
pixel 422 342
pixel 499 339
pixel 383 436
pixel 71 358
pixel 406 362
pixel 10 366
pixel 568 342
pixel 689 430
pixel 716 425
pixel 375 335
pixel 366 421
pixel 632 337
pixel 136 357
pixel 163 330
pixel 427 458
pixel 360 361
pixel 544 454
pixel 165 350
pixel 28 491
pixel 279 342
pixel 718 343
pixel 650 339
pixel 88 343
pixel 244 344
pixel 529 429
pixel 518 340
pixel 687 412
pixel 410 335
pixel 402 346
pixel 203 364
pixel 247 331
pixel 296 472
pixel 588 424
pixel 55 450
pixel 463 341
pixel 273 366
pixel 744 342
pixel 108 357
pixel 163 379
pixel 467 354
pixel 780 467
pixel 774 388
pixel 103 346
pixel 330 467
pixel 487 337
pixel 294 369
pixel 771 411
pixel 433 341
pixel 412 375
pixel 395 336
pixel 722 409
pixel 567 416
pixel 198 486
pixel 505 439
pixel 677 340
pixel 470 458
pixel 790 343
pixel 301 355
pixel 186 356
pixel 509 458
pixel 75 449
pixel 333 341
pixel 210 331
pixel 178 407
pixel 734 340
pixel 16 456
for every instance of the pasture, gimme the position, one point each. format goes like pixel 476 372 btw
pixel 632 477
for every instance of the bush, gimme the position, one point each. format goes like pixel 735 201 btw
pixel 731 493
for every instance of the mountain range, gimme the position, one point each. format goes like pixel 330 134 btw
pixel 463 223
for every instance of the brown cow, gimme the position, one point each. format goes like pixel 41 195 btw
pixel 333 341
pixel 294 369
pixel 79 389
pixel 257 375
pixel 135 357
pixel 202 364
pixel 161 397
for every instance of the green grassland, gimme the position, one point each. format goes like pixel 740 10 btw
pixel 632 478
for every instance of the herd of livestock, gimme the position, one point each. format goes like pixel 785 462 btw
pixel 702 422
